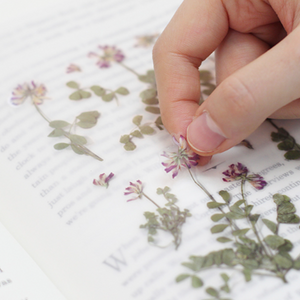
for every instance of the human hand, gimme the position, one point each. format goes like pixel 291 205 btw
pixel 257 47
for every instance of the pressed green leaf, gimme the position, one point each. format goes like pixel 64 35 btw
pixel 137 134
pixel 159 191
pixel 214 204
pixel 122 91
pixel 282 261
pixel 250 264
pixel 254 218
pixel 148 94
pixel 75 96
pixel 274 241
pixel 286 145
pixel 150 239
pixel 224 239
pixel 182 277
pixel 85 124
pixel 129 146
pixel 288 219
pixel 85 94
pixel 148 78
pixel 73 85
pixel 278 199
pixel 58 124
pixel 56 133
pixel 205 76
pixel 235 216
pixel 153 110
pixel 292 155
pixel 248 209
pixel 77 149
pixel 125 139
pixel 98 90
pixel 212 292
pixel 286 247
pixel 240 232
pixel 228 256
pixel 196 281
pixel 247 274
pixel 192 266
pixel 146 129
pixel 108 97
pixel 271 225
pixel 218 228
pixel 137 120
pixel 286 208
pixel 225 277
pixel 61 146
pixel 152 101
pixel 217 217
pixel 78 139
pixel 225 195
pixel 90 116
pixel 297 264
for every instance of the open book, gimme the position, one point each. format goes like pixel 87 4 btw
pixel 61 236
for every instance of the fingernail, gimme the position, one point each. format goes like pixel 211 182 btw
pixel 204 134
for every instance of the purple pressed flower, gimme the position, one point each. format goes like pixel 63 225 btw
pixel 109 54
pixel 103 179
pixel 23 91
pixel 184 157
pixel 135 188
pixel 257 181
pixel 73 68
pixel 240 172
pixel 235 172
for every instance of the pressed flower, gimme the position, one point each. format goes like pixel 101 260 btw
pixel 103 179
pixel 146 40
pixel 135 188
pixel 73 68
pixel 109 54
pixel 184 157
pixel 240 172
pixel 23 91
pixel 235 172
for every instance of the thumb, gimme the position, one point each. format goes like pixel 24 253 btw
pixel 246 98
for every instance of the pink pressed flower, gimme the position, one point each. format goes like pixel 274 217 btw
pixel 103 179
pixel 184 157
pixel 235 172
pixel 240 172
pixel 73 68
pixel 135 188
pixel 35 92
pixel 109 55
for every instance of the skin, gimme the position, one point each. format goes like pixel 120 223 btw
pixel 257 44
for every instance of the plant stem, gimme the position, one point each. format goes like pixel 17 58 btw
pixel 150 199
pixel 129 69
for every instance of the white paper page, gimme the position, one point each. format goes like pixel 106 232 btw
pixel 20 277
pixel 86 238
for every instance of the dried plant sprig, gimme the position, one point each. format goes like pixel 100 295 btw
pixel 108 95
pixel 85 120
pixel 264 255
pixel 139 131
pixel 103 180
pixel 286 142
pixel 169 218
pixel 80 93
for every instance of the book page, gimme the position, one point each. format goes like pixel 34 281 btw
pixel 86 238
pixel 20 277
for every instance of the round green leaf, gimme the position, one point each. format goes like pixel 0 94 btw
pixel 85 94
pixel 85 125
pixel 211 291
pixel 282 261
pixel 137 120
pixel 61 146
pixel 291 155
pixel 148 94
pixel 271 225
pixel 240 232
pixel 214 204
pixel 225 195
pixel 137 134
pixel 182 277
pixel 196 281
pixel 98 90
pixel 223 239
pixel 125 139
pixel 274 241
pixel 122 91
pixel 146 129
pixel 73 85
pixel 75 96
pixel 286 145
pixel 152 101
pixel 56 133
pixel 153 110
pixel 77 149
pixel 78 139
pixel 218 228
pixel 129 146
pixel 217 217
pixel 58 124
pixel 108 97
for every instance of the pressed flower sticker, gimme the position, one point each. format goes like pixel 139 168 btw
pixel 109 54
pixel 103 180
pixel 184 157
pixel 36 92
pixel 240 172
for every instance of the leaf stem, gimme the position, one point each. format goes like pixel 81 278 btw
pixel 150 199
pixel 129 69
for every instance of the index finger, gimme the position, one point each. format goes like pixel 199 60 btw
pixel 195 31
